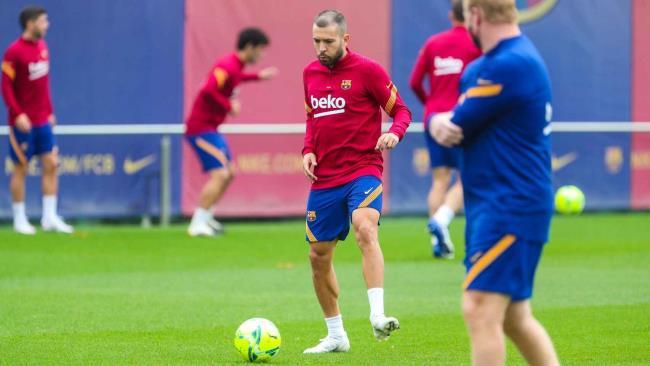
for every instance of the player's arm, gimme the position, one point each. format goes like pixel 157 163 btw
pixel 385 93
pixel 422 64
pixel 493 93
pixel 264 74
pixel 215 86
pixel 309 161
pixel 8 79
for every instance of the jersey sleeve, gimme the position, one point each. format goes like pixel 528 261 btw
pixel 308 146
pixel 486 94
pixel 384 92
pixel 8 78
pixel 422 64
pixel 215 86
pixel 250 77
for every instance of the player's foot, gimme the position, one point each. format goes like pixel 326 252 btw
pixel 215 225
pixel 56 223
pixel 24 227
pixel 331 344
pixel 200 229
pixel 441 244
pixel 383 326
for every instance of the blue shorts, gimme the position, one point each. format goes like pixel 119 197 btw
pixel 503 264
pixel 212 150
pixel 24 145
pixel 329 211
pixel 441 156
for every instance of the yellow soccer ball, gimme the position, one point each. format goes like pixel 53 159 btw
pixel 569 200
pixel 257 340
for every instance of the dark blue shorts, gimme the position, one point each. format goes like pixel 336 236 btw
pixel 212 150
pixel 503 264
pixel 441 156
pixel 24 145
pixel 329 211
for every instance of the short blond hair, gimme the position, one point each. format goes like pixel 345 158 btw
pixel 495 11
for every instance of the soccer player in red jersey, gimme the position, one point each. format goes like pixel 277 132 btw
pixel 26 92
pixel 442 59
pixel 342 157
pixel 213 103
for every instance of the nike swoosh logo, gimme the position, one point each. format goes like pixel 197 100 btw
pixel 368 191
pixel 558 163
pixel 133 166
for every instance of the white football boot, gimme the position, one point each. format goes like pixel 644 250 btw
pixel 215 225
pixel 383 326
pixel 330 344
pixel 200 229
pixel 56 223
pixel 24 227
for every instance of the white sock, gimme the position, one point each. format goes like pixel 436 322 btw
pixel 49 206
pixel 376 300
pixel 201 215
pixel 444 215
pixel 335 326
pixel 20 215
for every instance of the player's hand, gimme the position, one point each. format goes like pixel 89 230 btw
pixel 268 73
pixel 445 132
pixel 23 123
pixel 308 165
pixel 387 141
pixel 52 120
pixel 235 107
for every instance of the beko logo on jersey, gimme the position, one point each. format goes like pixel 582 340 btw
pixel 337 105
pixel 447 66
pixel 38 69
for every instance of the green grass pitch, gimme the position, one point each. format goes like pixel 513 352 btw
pixel 125 295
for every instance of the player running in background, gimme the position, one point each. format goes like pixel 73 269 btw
pixel 503 127
pixel 214 101
pixel 26 92
pixel 342 157
pixel 442 59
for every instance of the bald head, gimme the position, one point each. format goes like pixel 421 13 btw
pixel 329 18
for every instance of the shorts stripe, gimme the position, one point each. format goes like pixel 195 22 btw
pixel 14 145
pixel 210 149
pixel 310 235
pixel 371 197
pixel 487 258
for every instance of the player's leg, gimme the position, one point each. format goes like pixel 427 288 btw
pixel 443 202
pixel 326 223
pixel 365 202
pixel 484 313
pixel 214 155
pixel 529 335
pixel 20 151
pixel 45 147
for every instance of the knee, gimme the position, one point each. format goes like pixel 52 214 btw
pixel 319 260
pixel 476 315
pixel 366 233
pixel 49 165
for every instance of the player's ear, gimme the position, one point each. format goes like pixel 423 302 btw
pixel 346 38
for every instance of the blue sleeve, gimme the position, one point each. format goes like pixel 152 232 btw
pixel 487 92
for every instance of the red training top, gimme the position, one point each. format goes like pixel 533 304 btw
pixel 212 104
pixel 26 81
pixel 443 59
pixel 344 118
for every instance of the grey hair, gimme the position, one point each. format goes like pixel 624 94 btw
pixel 329 17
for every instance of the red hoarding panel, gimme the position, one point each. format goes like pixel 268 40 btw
pixel 211 31
pixel 640 161
pixel 269 182
pixel 268 179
